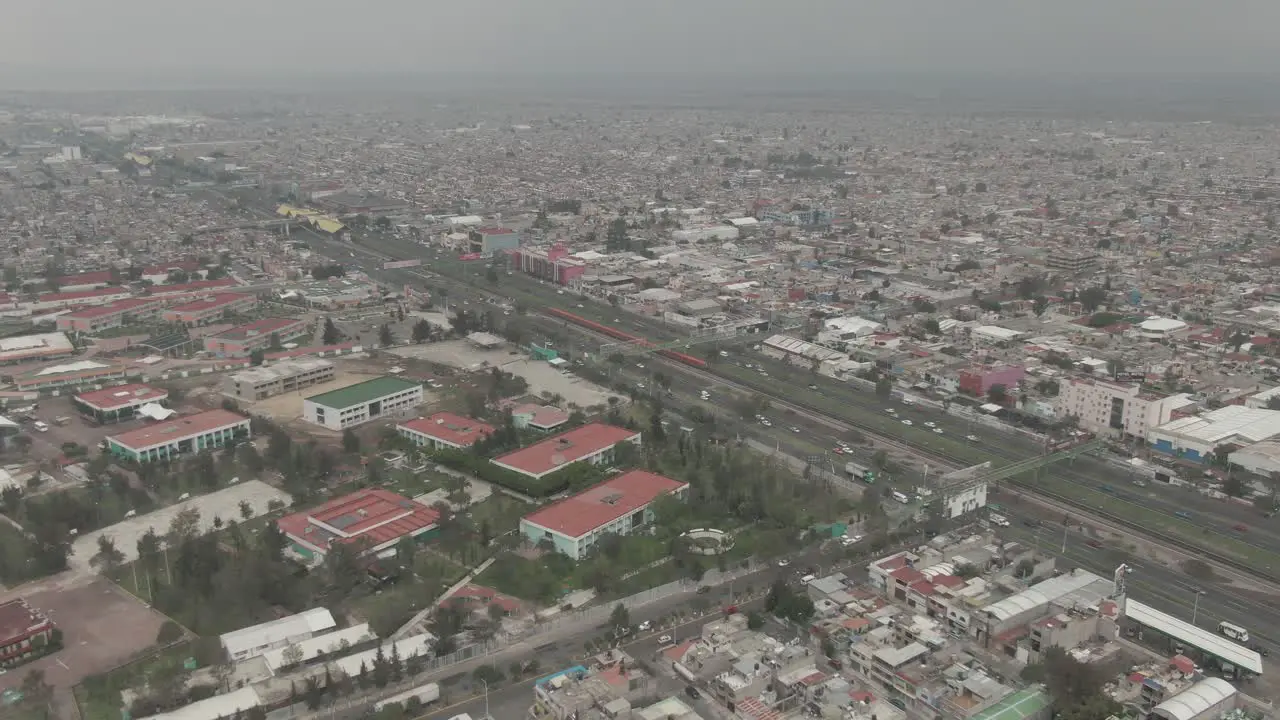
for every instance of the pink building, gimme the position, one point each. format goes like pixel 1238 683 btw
pixel 979 380
pixel 552 264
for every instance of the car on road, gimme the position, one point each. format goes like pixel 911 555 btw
pixel 766 423
pixel 692 692
pixel 930 424
pixel 813 386
pixel 795 429
pixel 1183 514
pixel 937 431
pixel 784 562
pixel 848 540
pixel 664 640
pixel 731 610
pixel 891 411
pixel 907 422
pixel 971 438
pixel 837 450
pixel 1240 527
pixel 644 626
pixel 1093 543
pixel 640 365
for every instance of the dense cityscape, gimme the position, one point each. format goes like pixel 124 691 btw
pixel 393 407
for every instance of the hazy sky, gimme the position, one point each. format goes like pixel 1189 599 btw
pixel 559 36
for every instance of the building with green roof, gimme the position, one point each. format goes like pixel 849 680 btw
pixel 362 402
pixel 1031 703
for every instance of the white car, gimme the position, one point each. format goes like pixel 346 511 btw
pixel 766 423
pixel 640 365
pixel 848 540
pixel 938 430
pixel 907 422
pixel 891 411
pixel 644 626
pixel 930 424
pixel 795 429
pixel 664 640
pixel 971 438
pixel 639 386
pixel 784 562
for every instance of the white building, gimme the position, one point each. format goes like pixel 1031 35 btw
pixel 994 334
pixel 1108 408
pixel 1158 328
pixel 363 402
pixel 705 233
pixel 849 328
pixel 334 643
pixel 1195 437
pixel 1260 400
pixel 256 640
pixel 226 705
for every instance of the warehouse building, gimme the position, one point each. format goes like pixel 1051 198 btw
pixel 593 443
pixel 278 378
pixel 258 335
pixel 373 521
pixel 355 404
pixel 180 436
pixel 210 309
pixel 119 403
pixel 619 506
pixel 111 315
pixel 444 430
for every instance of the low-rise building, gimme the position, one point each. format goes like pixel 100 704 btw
pixel 362 402
pixel 25 348
pixel 210 309
pixel 63 300
pixel 444 430
pixel 180 436
pixel 1196 437
pixel 119 403
pixel 619 506
pixel 371 521
pixel 72 374
pixel 256 640
pixel 593 443
pixel 23 631
pixel 278 378
pixel 258 335
pixel 552 264
pixel 111 315
pixel 977 381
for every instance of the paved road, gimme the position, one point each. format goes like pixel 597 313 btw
pixel 1215 516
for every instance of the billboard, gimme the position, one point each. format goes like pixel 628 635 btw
pixel 395 264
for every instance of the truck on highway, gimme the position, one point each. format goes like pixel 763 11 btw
pixel 860 472
pixel 425 695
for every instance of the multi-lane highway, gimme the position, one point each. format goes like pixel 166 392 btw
pixel 1092 483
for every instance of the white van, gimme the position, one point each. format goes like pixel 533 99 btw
pixel 40 426
pixel 998 520
pixel 1235 632
pixel 808 579
pixel 901 497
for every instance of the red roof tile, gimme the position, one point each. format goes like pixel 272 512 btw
pixel 17 618
pixel 579 514
pixel 177 428
pixel 370 517
pixel 112 307
pixel 455 429
pixel 907 575
pixel 122 396
pixel 556 452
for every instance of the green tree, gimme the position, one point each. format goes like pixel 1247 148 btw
pixel 620 619
pixel 350 442
pixel 997 394
pixel 421 331
pixel 331 334
pixel 385 338
pixel 884 387
pixel 257 356
pixel 1092 298
pixel 755 620
pixel 108 557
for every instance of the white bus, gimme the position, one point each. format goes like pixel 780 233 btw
pixel 901 497
pixel 1235 632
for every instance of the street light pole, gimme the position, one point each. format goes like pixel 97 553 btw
pixel 486 700
pixel 1195 608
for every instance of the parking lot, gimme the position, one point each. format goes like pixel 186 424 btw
pixel 224 504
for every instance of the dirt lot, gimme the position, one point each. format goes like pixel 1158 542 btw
pixel 102 626
pixel 224 504
pixel 540 376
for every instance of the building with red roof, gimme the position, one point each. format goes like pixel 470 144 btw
pixel 371 520
pixel 593 443
pixel 60 300
pixel 192 287
pixel 23 631
pixel 180 436
pixel 209 309
pixel 118 403
pixel 619 507
pixel 258 335
pixel 111 315
pixel 86 280
pixel 444 430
